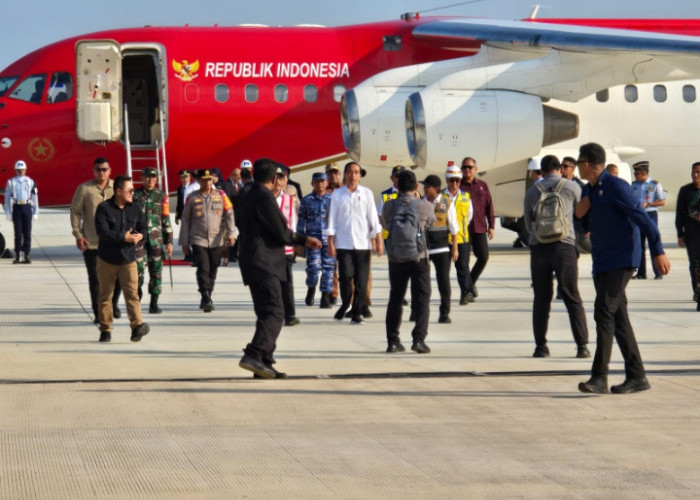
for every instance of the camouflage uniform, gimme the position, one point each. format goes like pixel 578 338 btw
pixel 313 221
pixel 155 205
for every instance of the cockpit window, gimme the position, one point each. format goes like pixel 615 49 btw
pixel 5 83
pixel 60 87
pixel 30 89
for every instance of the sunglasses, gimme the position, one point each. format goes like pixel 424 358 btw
pixel 468 167
pixel 102 169
pixel 454 179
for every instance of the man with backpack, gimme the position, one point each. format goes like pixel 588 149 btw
pixel 407 218
pixel 548 213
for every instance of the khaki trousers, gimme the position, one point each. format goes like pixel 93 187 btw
pixel 128 276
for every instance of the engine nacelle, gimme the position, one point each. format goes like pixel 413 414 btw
pixel 497 127
pixel 374 125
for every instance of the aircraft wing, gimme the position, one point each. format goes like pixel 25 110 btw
pixel 567 37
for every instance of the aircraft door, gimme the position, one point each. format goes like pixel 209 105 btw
pixel 99 90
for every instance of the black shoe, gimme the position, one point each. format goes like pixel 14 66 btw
pixel 357 320
pixel 658 277
pixel 140 331
pixel 292 321
pixel 595 385
pixel 333 300
pixel 257 367
pixel 277 374
pixel 208 307
pixel 583 352
pixel 444 318
pixel 366 313
pixel 105 336
pixel 153 307
pixel 466 298
pixel 340 313
pixel 395 346
pixel 541 352
pixel 116 313
pixel 420 347
pixel 309 300
pixel 16 261
pixel 325 300
pixel 638 277
pixel 206 304
pixel 631 385
pixel 27 260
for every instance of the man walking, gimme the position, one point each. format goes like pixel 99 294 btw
pixel 207 216
pixel 87 197
pixel 688 227
pixel 313 221
pixel 408 217
pixel 554 252
pixel 464 212
pixel 21 204
pixel 155 206
pixel 481 227
pixel 264 234
pixel 612 213
pixel 120 225
pixel 353 232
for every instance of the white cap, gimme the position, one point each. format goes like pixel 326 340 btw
pixel 452 172
pixel 533 164
pixel 246 164
pixel 20 165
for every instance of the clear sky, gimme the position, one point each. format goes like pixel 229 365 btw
pixel 30 24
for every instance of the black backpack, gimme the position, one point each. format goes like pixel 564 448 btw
pixel 406 241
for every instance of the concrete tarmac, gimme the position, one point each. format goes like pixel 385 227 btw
pixel 174 417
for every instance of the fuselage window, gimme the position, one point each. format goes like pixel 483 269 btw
pixel 30 89
pixel 631 93
pixel 281 93
pixel 310 93
pixel 392 43
pixel 689 93
pixel 602 95
pixel 338 92
pixel 5 83
pixel 60 87
pixel 251 93
pixel 221 92
pixel 659 93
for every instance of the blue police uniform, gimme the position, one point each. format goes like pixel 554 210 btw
pixel 648 191
pixel 313 221
pixel 21 203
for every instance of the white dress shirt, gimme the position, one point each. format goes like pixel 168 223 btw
pixel 353 220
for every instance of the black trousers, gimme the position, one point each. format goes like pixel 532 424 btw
pixel 288 290
pixel 399 274
pixel 612 320
pixel 22 222
pixel 464 278
pixel 353 267
pixel 642 271
pixel 90 258
pixel 207 262
pixel 560 259
pixel 480 247
pixel 268 304
pixel 442 262
pixel 692 247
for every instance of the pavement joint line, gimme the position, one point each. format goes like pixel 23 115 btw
pixel 353 376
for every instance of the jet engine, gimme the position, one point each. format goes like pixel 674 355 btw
pixel 498 127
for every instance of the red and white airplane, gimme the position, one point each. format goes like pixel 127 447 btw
pixel 415 91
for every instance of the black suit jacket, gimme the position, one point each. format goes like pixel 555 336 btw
pixel 263 235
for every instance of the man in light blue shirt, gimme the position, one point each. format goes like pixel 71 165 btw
pixel 21 203
pixel 651 196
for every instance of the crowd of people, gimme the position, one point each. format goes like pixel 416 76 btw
pixel 259 218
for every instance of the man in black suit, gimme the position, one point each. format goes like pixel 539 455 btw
pixel 263 236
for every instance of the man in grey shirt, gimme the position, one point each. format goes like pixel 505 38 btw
pixel 559 258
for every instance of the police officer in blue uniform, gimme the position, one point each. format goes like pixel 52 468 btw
pixel 313 221
pixel 21 203
pixel 651 196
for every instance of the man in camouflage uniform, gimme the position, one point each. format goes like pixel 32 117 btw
pixel 313 221
pixel 153 203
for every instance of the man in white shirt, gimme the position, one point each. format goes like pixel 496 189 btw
pixel 353 233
